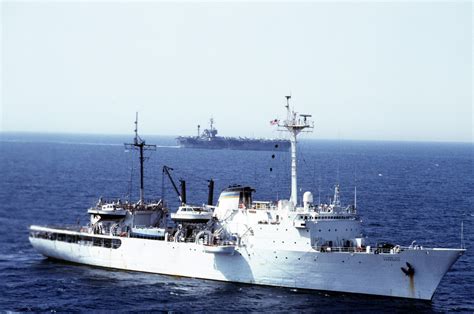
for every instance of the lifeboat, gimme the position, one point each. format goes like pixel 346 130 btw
pixel 108 210
pixel 192 214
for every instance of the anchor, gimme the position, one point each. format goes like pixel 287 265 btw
pixel 409 271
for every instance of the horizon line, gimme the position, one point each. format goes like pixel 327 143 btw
pixel 310 138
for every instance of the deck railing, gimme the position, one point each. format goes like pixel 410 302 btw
pixel 366 249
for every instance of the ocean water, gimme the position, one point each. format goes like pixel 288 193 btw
pixel 405 191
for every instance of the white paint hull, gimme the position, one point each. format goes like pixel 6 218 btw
pixel 376 274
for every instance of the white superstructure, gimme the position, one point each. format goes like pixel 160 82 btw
pixel 310 246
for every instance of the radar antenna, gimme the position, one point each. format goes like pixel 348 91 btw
pixel 140 145
pixel 294 124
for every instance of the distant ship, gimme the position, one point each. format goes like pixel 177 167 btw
pixel 208 139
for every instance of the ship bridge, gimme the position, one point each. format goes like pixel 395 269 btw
pixel 232 198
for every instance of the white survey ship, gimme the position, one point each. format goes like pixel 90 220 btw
pixel 307 246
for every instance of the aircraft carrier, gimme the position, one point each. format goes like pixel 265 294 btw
pixel 208 139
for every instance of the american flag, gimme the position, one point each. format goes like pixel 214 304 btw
pixel 274 122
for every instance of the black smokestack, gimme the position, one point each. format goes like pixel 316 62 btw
pixel 210 197
pixel 183 191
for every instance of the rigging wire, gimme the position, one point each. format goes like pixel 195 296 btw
pixel 163 186
pixel 274 172
pixel 130 187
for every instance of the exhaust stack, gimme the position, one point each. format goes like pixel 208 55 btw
pixel 210 196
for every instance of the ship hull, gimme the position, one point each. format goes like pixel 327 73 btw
pixel 235 144
pixel 364 273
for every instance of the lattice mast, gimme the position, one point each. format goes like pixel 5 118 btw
pixel 139 144
pixel 295 124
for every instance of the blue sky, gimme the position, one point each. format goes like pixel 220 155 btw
pixel 397 70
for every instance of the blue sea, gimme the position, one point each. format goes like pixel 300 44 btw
pixel 405 191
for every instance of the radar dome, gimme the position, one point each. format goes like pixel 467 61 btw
pixel 307 199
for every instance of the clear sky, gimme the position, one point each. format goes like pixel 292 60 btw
pixel 380 70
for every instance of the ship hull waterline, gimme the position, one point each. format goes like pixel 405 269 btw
pixel 362 273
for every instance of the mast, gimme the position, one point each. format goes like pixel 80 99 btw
pixel 336 200
pixel 294 124
pixel 140 144
pixel 355 197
